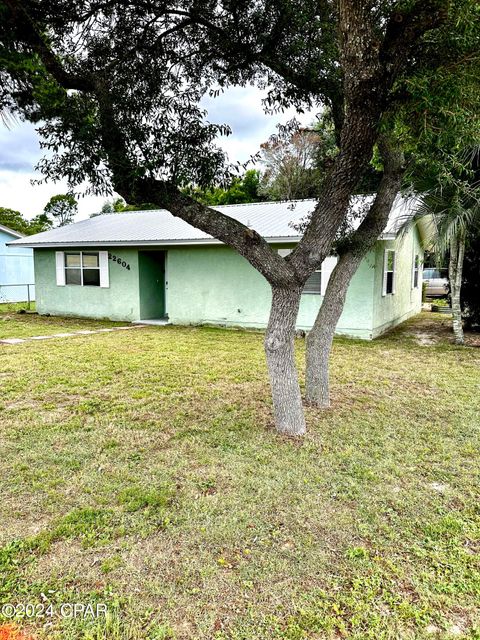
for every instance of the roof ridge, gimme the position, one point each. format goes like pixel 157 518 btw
pixel 116 213
pixel 213 206
pixel 263 202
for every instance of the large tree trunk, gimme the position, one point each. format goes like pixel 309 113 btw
pixel 280 352
pixel 320 338
pixel 455 269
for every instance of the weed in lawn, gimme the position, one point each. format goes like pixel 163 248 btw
pixel 153 500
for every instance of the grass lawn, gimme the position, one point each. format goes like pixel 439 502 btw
pixel 139 469
pixel 24 325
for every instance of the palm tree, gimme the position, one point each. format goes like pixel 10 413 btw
pixel 453 209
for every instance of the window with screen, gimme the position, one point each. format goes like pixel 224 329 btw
pixel 314 283
pixel 389 273
pixel 82 268
pixel 416 271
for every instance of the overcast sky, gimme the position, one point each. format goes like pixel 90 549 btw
pixel 241 108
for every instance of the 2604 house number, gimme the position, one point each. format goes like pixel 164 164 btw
pixel 119 261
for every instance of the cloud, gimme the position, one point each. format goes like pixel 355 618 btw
pixel 19 153
pixel 19 148
pixel 239 107
pixel 242 109
pixel 17 192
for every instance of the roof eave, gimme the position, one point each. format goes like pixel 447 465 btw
pixel 11 232
pixel 158 243
pixel 141 243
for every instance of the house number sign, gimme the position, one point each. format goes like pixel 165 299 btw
pixel 119 261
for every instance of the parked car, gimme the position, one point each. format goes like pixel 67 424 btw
pixel 437 282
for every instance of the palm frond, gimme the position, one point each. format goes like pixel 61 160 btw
pixel 451 206
pixel 7 118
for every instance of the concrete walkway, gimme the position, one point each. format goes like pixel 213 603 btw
pixel 159 322
pixel 84 332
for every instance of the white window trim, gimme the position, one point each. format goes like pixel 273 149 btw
pixel 416 268
pixel 385 271
pixel 104 264
pixel 328 266
pixel 103 268
pixel 60 268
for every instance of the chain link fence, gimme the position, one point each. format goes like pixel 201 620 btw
pixel 17 293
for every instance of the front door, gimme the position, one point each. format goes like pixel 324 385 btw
pixel 151 270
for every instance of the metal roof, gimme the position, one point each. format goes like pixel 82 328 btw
pixel 10 231
pixel 273 220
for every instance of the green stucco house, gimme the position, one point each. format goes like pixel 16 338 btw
pixel 151 266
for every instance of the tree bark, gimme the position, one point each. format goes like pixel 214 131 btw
pixel 320 338
pixel 280 353
pixel 455 270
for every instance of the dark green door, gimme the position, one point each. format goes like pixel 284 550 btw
pixel 151 270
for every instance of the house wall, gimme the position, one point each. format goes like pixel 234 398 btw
pixel 391 309
pixel 215 285
pixel 16 267
pixel 218 286
pixel 120 301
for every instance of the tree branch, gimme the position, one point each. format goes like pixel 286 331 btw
pixel 32 35
pixel 373 224
pixel 406 27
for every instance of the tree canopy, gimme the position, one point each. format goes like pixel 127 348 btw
pixel 16 221
pixel 291 170
pixel 240 190
pixel 63 208
pixel 147 65
pixel 470 295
